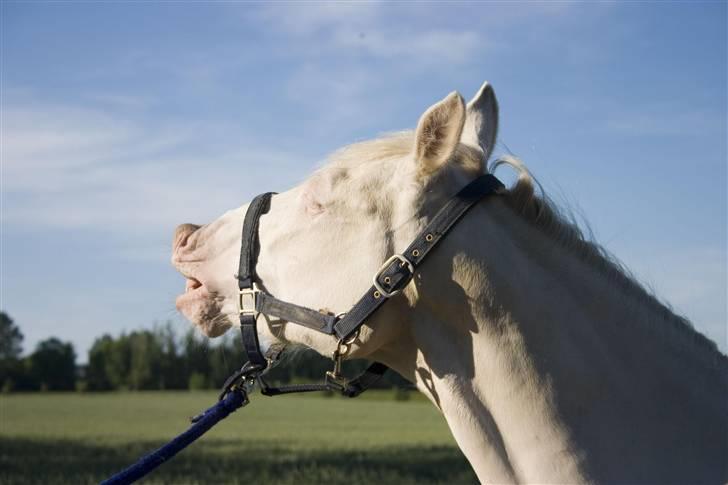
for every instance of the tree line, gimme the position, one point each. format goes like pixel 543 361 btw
pixel 156 359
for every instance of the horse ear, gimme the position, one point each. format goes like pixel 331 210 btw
pixel 438 133
pixel 481 121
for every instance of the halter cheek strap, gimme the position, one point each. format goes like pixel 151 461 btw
pixel 391 278
pixel 249 249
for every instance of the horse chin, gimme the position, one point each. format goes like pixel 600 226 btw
pixel 203 310
pixel 214 328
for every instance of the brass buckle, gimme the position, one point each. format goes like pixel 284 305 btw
pixel 247 300
pixel 403 262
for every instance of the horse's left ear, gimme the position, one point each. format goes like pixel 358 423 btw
pixel 481 121
pixel 438 133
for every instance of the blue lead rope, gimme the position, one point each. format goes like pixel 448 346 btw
pixel 234 400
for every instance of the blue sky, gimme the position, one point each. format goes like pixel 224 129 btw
pixel 121 120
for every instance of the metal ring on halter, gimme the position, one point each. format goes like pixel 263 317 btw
pixel 343 346
pixel 349 339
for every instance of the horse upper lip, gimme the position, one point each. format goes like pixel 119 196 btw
pixel 189 269
pixel 186 266
pixel 187 272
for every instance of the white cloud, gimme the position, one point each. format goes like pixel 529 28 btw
pixel 334 97
pixel 121 101
pixel 70 167
pixel 349 59
pixel 308 18
pixel 33 139
pixel 372 29
pixel 414 34
pixel 431 47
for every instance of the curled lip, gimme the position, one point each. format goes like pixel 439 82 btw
pixel 200 304
pixel 193 290
pixel 196 289
pixel 195 294
pixel 192 284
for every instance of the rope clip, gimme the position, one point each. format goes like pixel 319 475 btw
pixel 242 380
pixel 334 378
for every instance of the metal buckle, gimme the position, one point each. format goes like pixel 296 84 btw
pixel 403 262
pixel 251 295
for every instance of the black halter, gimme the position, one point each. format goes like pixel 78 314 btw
pixel 391 278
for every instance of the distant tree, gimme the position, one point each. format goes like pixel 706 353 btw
pixel 146 361
pixel 119 362
pixel 11 339
pixel 172 371
pixel 225 358
pixel 53 365
pixel 99 356
pixel 140 360
pixel 161 359
pixel 196 353
pixel 197 381
pixel 11 368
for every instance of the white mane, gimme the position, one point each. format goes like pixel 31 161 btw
pixel 561 226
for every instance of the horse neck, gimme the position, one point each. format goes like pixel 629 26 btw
pixel 543 366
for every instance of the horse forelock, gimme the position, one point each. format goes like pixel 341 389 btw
pixel 395 145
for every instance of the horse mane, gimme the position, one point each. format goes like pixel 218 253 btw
pixel 559 224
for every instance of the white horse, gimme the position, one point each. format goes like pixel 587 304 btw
pixel 549 363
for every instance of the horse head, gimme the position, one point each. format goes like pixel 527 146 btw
pixel 321 241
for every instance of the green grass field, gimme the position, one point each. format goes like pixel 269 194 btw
pixel 84 438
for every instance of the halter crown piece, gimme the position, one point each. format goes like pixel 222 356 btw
pixel 391 278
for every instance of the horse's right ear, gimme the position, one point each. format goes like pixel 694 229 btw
pixel 438 133
pixel 481 121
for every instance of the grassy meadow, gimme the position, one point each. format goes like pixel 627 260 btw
pixel 84 438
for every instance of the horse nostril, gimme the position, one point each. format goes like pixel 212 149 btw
pixel 182 234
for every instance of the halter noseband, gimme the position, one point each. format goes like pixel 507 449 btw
pixel 391 278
